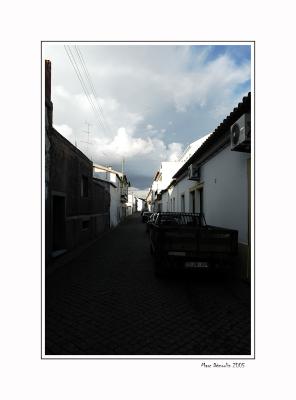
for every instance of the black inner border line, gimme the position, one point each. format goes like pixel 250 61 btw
pixel 254 191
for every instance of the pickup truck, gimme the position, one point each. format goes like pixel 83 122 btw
pixel 146 215
pixel 150 221
pixel 184 240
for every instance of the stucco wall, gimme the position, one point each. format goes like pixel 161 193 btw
pixel 226 191
pixel 182 188
pixel 117 207
pixel 67 167
pixel 115 213
pixel 167 169
pixel 81 218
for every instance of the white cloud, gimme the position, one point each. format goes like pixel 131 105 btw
pixel 142 89
pixel 174 151
pixel 61 92
pixel 64 130
pixel 209 84
pixel 127 146
pixel 149 78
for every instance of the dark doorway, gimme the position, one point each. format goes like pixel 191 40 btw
pixel 58 223
pixel 182 203
pixel 201 208
pixel 192 201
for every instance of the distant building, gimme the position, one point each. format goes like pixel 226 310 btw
pixel 131 204
pixel 118 189
pixel 158 198
pixel 76 206
pixel 149 200
pixel 141 204
pixel 136 200
pixel 161 181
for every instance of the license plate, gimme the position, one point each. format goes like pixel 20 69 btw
pixel 195 264
pixel 177 253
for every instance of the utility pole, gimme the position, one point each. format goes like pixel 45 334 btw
pixel 122 165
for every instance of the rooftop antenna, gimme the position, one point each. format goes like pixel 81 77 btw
pixel 88 135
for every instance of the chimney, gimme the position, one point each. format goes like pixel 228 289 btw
pixel 48 102
pixel 48 80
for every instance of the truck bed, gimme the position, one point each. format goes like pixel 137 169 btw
pixel 175 243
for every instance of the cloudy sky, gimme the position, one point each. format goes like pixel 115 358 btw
pixel 148 102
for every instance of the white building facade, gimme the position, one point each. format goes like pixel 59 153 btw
pixel 216 181
pixel 161 181
pixel 118 191
pixel 165 196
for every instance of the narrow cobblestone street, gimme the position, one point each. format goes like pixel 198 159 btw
pixel 108 302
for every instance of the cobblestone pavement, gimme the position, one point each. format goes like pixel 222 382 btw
pixel 108 302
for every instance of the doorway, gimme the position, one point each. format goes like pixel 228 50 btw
pixel 183 203
pixel 192 201
pixel 201 200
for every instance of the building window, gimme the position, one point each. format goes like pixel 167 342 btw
pixel 84 186
pixel 174 204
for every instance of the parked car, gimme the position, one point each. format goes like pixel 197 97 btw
pixel 146 215
pixel 184 240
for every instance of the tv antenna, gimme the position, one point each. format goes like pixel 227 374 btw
pixel 88 136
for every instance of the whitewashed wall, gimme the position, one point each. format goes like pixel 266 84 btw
pixel 165 201
pixel 183 187
pixel 226 191
pixel 140 204
pixel 115 202
pixel 115 206
pixel 168 169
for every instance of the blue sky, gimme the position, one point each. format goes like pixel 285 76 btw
pixel 239 53
pixel 156 99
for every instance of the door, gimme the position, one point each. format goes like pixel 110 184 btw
pixel 58 223
pixel 201 201
pixel 192 201
pixel 182 203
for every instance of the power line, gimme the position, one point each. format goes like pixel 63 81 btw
pixel 78 73
pixel 92 88
pixel 80 77
pixel 88 79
